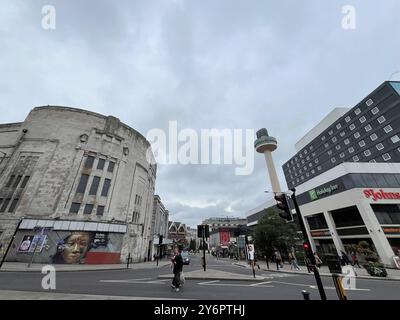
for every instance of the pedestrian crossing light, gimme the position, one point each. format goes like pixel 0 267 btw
pixel 283 204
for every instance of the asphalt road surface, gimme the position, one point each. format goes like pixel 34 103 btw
pixel 144 283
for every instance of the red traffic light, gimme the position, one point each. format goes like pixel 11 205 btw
pixel 306 246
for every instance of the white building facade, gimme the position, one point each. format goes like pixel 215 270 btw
pixel 347 177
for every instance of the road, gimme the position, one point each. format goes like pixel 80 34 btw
pixel 143 283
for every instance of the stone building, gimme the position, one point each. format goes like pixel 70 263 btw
pixel 159 224
pixel 77 187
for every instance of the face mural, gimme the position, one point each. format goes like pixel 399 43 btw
pixel 73 248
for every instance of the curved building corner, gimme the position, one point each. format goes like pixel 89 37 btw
pixel 75 187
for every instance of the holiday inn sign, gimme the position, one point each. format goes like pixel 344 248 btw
pixel 317 193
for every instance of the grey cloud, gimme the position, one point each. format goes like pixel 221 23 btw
pixel 224 64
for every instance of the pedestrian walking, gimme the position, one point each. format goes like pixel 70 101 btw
pixel 177 263
pixel 318 261
pixel 278 259
pixel 354 258
pixel 252 256
pixel 293 262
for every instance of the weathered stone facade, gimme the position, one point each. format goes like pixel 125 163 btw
pixel 69 164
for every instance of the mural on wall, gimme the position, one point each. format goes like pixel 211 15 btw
pixel 68 247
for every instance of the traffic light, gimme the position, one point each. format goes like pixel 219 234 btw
pixel 308 251
pixel 200 229
pixel 283 204
pixel 160 240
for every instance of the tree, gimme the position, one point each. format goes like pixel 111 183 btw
pixel 274 232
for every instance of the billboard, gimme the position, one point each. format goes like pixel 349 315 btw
pixel 224 237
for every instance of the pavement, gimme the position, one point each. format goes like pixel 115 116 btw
pixel 361 273
pixel 32 295
pixel 23 267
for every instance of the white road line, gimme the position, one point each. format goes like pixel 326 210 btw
pixel 207 282
pixel 259 284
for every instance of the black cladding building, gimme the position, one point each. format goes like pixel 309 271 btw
pixel 347 176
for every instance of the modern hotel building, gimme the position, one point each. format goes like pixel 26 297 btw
pixel 347 176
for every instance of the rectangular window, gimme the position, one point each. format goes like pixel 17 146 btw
pixel 17 181
pixel 24 182
pixel 352 126
pixel 347 119
pixel 89 162
pixel 334 139
pixel 368 128
pixel 380 146
pixel 375 110
pixel 362 143
pixel 369 102
pixel 357 135
pixel 95 186
pixel 395 139
pixel 373 136
pixel 82 184
pixel 74 207
pixel 111 166
pixel 13 205
pixel 362 119
pixel 386 157
pixel 100 210
pixel 346 141
pixel 106 187
pixel 356 158
pixel 341 155
pixel 88 209
pixel 338 126
pixel 357 111
pixel 10 181
pixel 367 153
pixel 338 147
pixel 381 119
pixel 100 164
pixel 5 205
pixel 388 128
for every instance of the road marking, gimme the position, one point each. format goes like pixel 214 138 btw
pixel 284 275
pixel 217 283
pixel 207 282
pixel 259 284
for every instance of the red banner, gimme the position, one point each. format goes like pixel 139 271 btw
pixel 224 237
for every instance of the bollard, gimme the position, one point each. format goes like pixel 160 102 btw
pixel 306 295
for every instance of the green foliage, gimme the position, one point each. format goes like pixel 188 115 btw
pixel 274 232
pixel 372 262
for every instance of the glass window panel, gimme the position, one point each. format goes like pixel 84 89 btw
pixel 95 186
pixel 89 162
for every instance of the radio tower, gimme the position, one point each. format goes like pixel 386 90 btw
pixel 267 144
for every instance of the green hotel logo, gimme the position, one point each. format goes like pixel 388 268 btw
pixel 316 193
pixel 313 195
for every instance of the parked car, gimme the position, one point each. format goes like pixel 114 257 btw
pixel 185 257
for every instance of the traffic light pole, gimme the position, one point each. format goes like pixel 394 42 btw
pixel 306 239
pixel 204 249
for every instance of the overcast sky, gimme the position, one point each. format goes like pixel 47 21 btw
pixel 230 64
